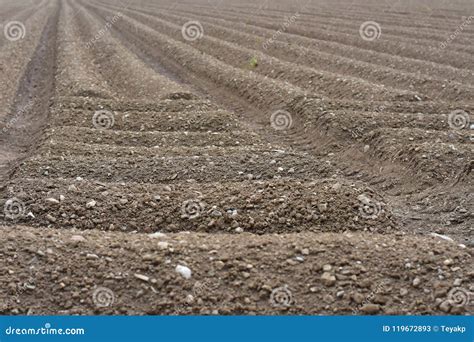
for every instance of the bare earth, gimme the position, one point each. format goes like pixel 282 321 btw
pixel 236 157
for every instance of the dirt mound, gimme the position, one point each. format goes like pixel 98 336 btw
pixel 64 271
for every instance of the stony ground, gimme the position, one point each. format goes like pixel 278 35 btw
pixel 227 157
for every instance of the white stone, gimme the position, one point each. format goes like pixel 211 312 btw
pixel 184 271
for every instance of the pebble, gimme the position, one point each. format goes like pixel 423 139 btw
pixel 52 200
pixel 92 256
pixel 163 245
pixel 239 230
pixel 220 264
pixel 189 299
pixel 50 218
pixel 336 186
pixel 322 207
pixel 72 187
pixel 327 268
pixel 448 262
pixel 184 271
pixel 403 292
pixel 370 309
pixel 141 277
pixel 444 237
pixel 358 297
pixel 91 204
pixel 78 238
pixel 157 235
pixel 328 279
pixel 416 282
pixel 62 198
pixel 366 148
pixel 445 306
pixel 305 251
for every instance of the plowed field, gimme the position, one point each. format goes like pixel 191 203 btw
pixel 236 157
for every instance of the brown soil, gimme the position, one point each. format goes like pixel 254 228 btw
pixel 128 151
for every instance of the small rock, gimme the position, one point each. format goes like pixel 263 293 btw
pixel 327 268
pixel 416 282
pixel 91 204
pixel 184 271
pixel 189 299
pixel 163 245
pixel 51 218
pixel 328 279
pixel 62 198
pixel 92 256
pixel 448 262
pixel 239 230
pixel 78 238
pixel 358 298
pixel 322 207
pixel 366 148
pixel 370 309
pixel 52 200
pixel 403 292
pixel 141 277
pixel 336 186
pixel 445 306
pixel 157 235
pixel 220 264
pixel 305 251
